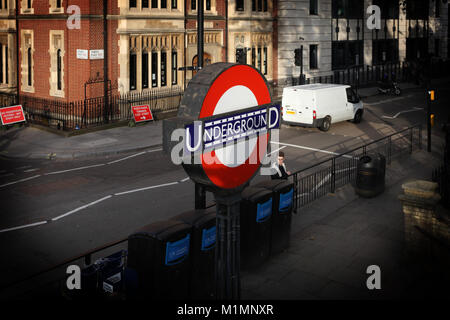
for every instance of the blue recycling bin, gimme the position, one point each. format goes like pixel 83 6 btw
pixel 158 261
pixel 256 223
pixel 282 205
pixel 202 257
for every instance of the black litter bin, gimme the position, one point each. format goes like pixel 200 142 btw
pixel 282 204
pixel 203 243
pixel 370 176
pixel 158 261
pixel 255 221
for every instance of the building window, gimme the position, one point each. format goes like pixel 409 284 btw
pixel 437 11
pixel 1 63
pixel 348 9
pixel 174 67
pixel 29 4
pixel 133 3
pixel 59 69
pixel 58 3
pixel 30 67
pixel 154 69
pixel 193 4
pixel 313 57
pixel 254 57
pixel 133 70
pixel 163 68
pixel 144 70
pixel 259 5
pixel 174 4
pixel 265 60
pixel 259 59
pixel 163 4
pixel 208 5
pixel 346 54
pixel 417 9
pixel 144 3
pixel 313 7
pixel 385 50
pixel 389 9
pixel 6 64
pixel 154 4
pixel 239 5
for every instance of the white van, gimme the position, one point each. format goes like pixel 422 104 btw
pixel 320 105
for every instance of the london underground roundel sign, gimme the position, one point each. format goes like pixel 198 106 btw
pixel 229 105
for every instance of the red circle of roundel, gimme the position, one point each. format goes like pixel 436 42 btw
pixel 219 174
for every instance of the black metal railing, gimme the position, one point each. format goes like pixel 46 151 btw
pixel 325 177
pixel 441 174
pixel 91 112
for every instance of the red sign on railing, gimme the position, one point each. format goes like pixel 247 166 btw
pixel 142 113
pixel 13 114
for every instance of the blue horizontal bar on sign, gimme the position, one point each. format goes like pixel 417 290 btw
pixel 286 200
pixel 264 211
pixel 208 238
pixel 177 251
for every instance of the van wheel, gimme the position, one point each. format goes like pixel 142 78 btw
pixel 326 124
pixel 358 117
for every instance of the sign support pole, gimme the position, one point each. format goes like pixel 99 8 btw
pixel 227 266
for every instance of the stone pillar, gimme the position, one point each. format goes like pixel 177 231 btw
pixel 427 233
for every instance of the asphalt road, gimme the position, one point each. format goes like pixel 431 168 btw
pixel 52 210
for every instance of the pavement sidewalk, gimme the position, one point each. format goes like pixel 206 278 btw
pixel 335 239
pixel 33 143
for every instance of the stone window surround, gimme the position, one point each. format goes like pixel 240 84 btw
pixel 213 10
pixel 24 7
pixel 156 43
pixel 24 46
pixel 53 9
pixel 248 9
pixel 53 49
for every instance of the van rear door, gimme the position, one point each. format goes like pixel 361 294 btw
pixel 297 106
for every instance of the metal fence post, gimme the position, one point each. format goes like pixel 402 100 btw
pixel 333 175
pixel 295 177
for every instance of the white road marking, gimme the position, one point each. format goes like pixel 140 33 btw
pixel 81 208
pixel 75 169
pixel 146 188
pixel 276 150
pixel 311 149
pixel 399 113
pixel 21 180
pixel 91 204
pixel 7 175
pixel 24 226
pixel 388 100
pixel 31 170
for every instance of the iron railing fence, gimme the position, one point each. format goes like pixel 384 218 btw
pixel 91 112
pixel 325 177
pixel 441 174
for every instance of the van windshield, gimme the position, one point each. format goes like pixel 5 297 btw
pixel 352 96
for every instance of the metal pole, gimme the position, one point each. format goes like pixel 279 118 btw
pixel 428 119
pixel 227 264
pixel 200 33
pixel 301 64
pixel 200 197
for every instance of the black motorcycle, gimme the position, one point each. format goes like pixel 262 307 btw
pixel 390 88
